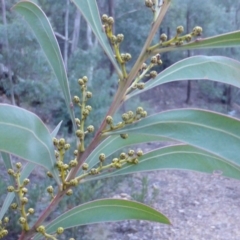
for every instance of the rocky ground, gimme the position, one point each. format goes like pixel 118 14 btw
pixel 200 207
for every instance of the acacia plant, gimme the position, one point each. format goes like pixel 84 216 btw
pixel 201 140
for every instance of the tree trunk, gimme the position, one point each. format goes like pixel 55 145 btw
pixel 76 31
pixel 188 54
pixel 7 51
pixel 65 53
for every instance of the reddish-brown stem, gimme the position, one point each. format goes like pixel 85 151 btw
pixel 118 100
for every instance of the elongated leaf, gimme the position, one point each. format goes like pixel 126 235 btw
pixel 26 171
pixel 114 143
pixel 181 157
pixel 209 131
pixel 55 130
pixel 89 10
pixel 231 39
pixel 6 160
pixel 215 68
pixel 42 29
pixel 23 134
pixel 106 210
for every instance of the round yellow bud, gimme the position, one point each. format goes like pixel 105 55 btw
pixel 163 37
pixel 109 120
pixel 6 220
pixel 123 155
pixel 24 190
pixel 104 18
pixel 94 171
pixel 118 165
pixel 18 165
pixel 88 94
pixel 135 161
pixel 80 82
pixel 85 112
pixel 113 39
pixel 66 146
pixel 120 38
pixel 76 99
pixel 55 141
pixel 49 174
pixel 3 233
pixel 65 166
pixel 130 114
pixel 41 229
pixel 124 135
pixel 179 43
pixel 50 189
pixel 61 142
pixel 102 157
pixel 125 117
pixel 153 74
pixel 75 152
pixel 85 79
pixel 69 192
pixel 180 29
pixel 79 133
pixel 10 171
pixel 188 38
pixel 143 114
pixel 31 211
pixel 115 160
pixel 77 121
pixel 14 206
pixel 154 60
pixel 90 128
pixel 131 153
pixel 10 189
pixel 139 110
pixel 26 181
pixel 128 57
pixel 60 230
pixel 56 154
pixel 73 163
pixel 140 85
pixel 89 108
pixel 74 182
pixel 148 3
pixel 22 220
pixel 85 166
pixel 144 66
pixel 139 153
pixel 110 21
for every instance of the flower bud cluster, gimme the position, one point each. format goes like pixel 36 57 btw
pixel 115 41
pixel 127 118
pixel 42 230
pixel 178 40
pixel 63 167
pixel 3 230
pixel 151 4
pixel 85 111
pixel 20 188
pixel 130 157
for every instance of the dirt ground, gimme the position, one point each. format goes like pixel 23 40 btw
pixel 200 206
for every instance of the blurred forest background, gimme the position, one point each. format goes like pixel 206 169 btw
pixel 27 81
